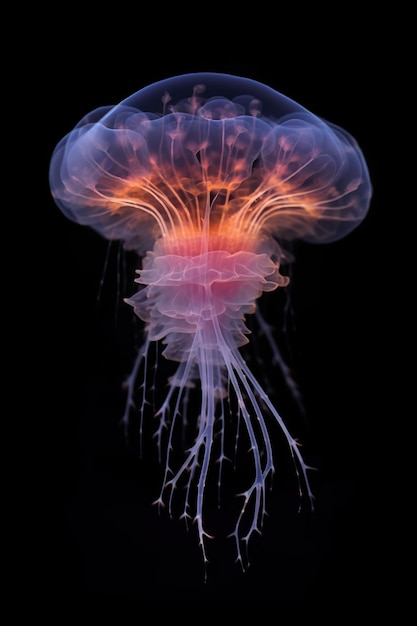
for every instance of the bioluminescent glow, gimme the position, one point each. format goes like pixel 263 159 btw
pixel 207 176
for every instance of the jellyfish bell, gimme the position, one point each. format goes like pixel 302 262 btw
pixel 207 177
pixel 231 135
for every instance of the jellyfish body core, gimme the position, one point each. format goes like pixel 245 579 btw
pixel 206 176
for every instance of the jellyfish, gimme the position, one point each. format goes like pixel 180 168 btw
pixel 208 178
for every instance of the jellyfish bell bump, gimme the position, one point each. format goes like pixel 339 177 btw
pixel 207 177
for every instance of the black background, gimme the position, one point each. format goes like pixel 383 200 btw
pixel 95 532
